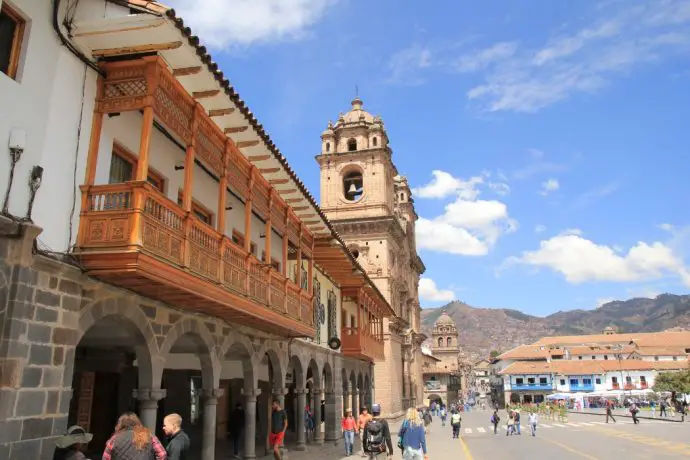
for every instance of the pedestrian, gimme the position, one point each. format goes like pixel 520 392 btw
pixel 178 444
pixel 70 445
pixel 349 426
pixel 237 421
pixel 133 441
pixel 444 415
pixel 362 420
pixel 662 408
pixel 279 423
pixel 309 423
pixel 427 421
pixel 413 437
pixel 633 411
pixel 652 406
pixel 455 421
pixel 517 421
pixel 533 422
pixel 510 424
pixel 495 419
pixel 609 412
pixel 377 435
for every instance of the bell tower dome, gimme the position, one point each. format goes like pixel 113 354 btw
pixel 356 168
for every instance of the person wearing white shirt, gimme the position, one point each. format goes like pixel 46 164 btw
pixel 533 423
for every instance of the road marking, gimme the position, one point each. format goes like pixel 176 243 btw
pixel 568 448
pixel 468 430
pixel 544 426
pixel 481 430
pixel 559 425
pixel 466 450
pixel 599 423
pixel 572 424
pixel 586 424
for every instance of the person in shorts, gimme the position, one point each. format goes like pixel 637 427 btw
pixel 279 424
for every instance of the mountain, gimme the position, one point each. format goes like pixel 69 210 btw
pixel 482 330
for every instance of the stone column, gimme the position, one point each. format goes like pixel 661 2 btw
pixel 250 423
pixel 301 402
pixel 148 405
pixel 208 437
pixel 318 429
pixel 334 412
pixel 355 403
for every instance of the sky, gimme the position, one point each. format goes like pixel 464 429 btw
pixel 547 142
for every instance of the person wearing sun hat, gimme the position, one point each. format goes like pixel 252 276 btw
pixel 69 445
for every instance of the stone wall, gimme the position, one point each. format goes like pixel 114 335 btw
pixel 47 306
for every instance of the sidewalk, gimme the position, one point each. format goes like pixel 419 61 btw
pixel 621 412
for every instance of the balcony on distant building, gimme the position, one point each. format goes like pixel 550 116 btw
pixel 531 386
pixel 365 339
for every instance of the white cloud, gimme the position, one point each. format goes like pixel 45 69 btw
pixel 549 186
pixel 666 227
pixel 583 61
pixel 538 165
pixel 572 231
pixel 597 193
pixel 430 292
pixel 540 228
pixel 404 64
pixel 604 300
pixel 469 225
pixel 224 23
pixel 481 59
pixel 579 260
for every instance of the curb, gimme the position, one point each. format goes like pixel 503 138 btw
pixel 626 416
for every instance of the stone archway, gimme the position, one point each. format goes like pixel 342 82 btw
pixel 295 401
pixel 112 355
pixel 196 396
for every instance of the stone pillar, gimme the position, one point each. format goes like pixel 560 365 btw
pixel 148 405
pixel 208 437
pixel 318 428
pixel 355 403
pixel 250 423
pixel 301 402
pixel 334 412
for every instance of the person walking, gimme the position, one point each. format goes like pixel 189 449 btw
pixel 362 420
pixel 413 437
pixel 427 421
pixel 510 426
pixel 237 422
pixel 444 415
pixel 533 420
pixel 133 441
pixel 609 412
pixel 662 408
pixel 455 421
pixel 377 435
pixel 349 426
pixel 178 444
pixel 633 411
pixel 279 424
pixel 70 445
pixel 517 421
pixel 495 419
pixel 652 406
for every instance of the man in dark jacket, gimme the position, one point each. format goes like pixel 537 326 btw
pixel 178 441
pixel 376 438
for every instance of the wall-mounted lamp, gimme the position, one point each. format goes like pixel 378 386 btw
pixel 262 235
pixel 228 207
pixel 113 114
pixel 179 166
pixel 34 184
pixel 16 146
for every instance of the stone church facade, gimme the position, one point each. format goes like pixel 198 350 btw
pixel 371 207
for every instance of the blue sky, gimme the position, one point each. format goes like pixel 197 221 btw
pixel 547 142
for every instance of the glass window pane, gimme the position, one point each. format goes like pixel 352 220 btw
pixel 120 170
pixel 7 30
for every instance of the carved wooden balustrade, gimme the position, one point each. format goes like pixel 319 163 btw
pixel 361 342
pixel 136 217
pixel 365 341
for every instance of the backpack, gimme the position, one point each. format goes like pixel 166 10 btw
pixel 375 437
pixel 403 430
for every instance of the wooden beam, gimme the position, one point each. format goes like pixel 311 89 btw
pixel 278 181
pixel 300 208
pixel 286 191
pixel 183 71
pixel 258 157
pixel 235 129
pixel 306 216
pixel 220 112
pixel 294 200
pixel 308 222
pixel 269 170
pixel 205 94
pixel 243 144
pixel 139 49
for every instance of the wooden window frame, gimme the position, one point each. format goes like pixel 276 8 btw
pixel 120 151
pixel 198 208
pixel 17 40
pixel 239 236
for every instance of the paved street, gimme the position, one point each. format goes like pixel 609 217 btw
pixel 582 437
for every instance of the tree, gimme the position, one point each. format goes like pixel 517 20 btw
pixel 494 353
pixel 673 381
pixel 514 398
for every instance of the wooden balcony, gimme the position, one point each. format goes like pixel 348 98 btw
pixel 133 236
pixel 361 344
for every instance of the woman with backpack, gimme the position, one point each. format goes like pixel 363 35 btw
pixel 412 437
pixel 495 419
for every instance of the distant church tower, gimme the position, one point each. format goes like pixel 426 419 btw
pixel 371 206
pixel 444 338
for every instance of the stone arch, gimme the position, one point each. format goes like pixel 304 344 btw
pixel 298 371
pixel 206 348
pixel 238 347
pixel 327 377
pixel 316 375
pixel 126 313
pixel 276 364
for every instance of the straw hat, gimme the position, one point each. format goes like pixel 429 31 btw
pixel 75 435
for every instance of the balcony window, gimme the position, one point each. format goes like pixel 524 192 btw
pixel 628 380
pixel 598 381
pixel 614 380
pixel 543 381
pixel 531 380
pixel 123 167
pixel 519 381
pixel 580 358
pixel 574 382
pixel 562 381
pixel 238 239
pixel 12 27
pixel 586 381
pixel 643 379
pixel 204 214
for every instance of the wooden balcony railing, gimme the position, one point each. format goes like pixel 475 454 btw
pixel 644 385
pixel 132 219
pixel 616 386
pixel 361 344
